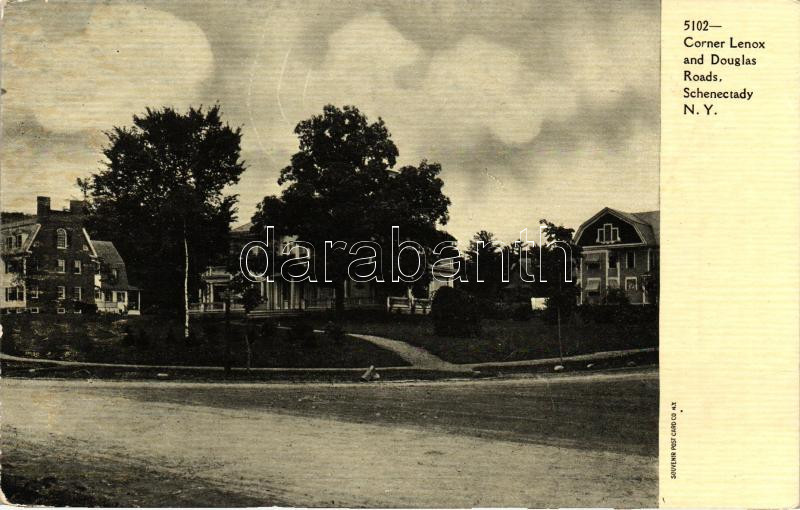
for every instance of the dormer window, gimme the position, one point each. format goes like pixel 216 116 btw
pixel 61 239
pixel 608 234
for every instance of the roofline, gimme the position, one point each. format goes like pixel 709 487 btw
pixel 89 242
pixel 609 210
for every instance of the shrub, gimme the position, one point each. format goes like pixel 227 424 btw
pixel 8 344
pixel 616 297
pixel 142 340
pixel 210 332
pixel 302 331
pixel 334 332
pixel 170 338
pixel 86 308
pixel 521 312
pixel 269 330
pixel 83 344
pixel 455 313
pixel 128 338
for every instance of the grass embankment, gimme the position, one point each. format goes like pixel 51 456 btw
pixel 158 340
pixel 509 340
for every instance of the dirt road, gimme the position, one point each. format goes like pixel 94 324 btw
pixel 579 441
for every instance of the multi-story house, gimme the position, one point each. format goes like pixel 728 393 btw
pixel 279 296
pixel 619 250
pixel 285 296
pixel 51 265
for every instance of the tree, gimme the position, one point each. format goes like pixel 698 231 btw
pixel 160 198
pixel 557 264
pixel 484 266
pixel 341 186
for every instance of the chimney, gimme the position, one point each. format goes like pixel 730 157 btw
pixel 42 206
pixel 77 206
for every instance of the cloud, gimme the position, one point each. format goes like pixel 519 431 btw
pixel 126 58
pixel 536 109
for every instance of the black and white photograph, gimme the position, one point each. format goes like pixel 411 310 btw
pixel 393 254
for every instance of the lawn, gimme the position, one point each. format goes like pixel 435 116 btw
pixel 509 340
pixel 158 340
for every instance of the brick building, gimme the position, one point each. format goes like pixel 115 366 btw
pixel 49 264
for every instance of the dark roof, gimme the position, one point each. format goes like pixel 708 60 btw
pixel 108 254
pixel 652 218
pixel 646 223
pixel 245 228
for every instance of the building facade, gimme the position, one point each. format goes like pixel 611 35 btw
pixel 619 250
pixel 284 296
pixel 49 264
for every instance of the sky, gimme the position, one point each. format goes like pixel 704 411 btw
pixel 534 109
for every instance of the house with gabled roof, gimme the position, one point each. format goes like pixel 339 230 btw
pixel 619 250
pixel 49 264
pixel 113 293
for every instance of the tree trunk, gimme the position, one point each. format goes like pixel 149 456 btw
pixel 339 298
pixel 227 332
pixel 560 345
pixel 185 284
pixel 249 350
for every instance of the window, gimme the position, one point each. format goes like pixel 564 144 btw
pixel 62 266
pixel 607 234
pixel 15 294
pixel 98 295
pixel 613 261
pixel 33 292
pixel 34 309
pixel 630 260
pixel 115 273
pixel 62 292
pixel 613 284
pixel 18 239
pixel 108 296
pixel 120 297
pixel 9 243
pixel 652 260
pixel 60 311
pixel 77 293
pixel 76 266
pixel 630 283
pixel 61 239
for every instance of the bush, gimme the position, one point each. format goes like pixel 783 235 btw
pixel 269 330
pixel 210 332
pixel 334 332
pixel 521 312
pixel 83 344
pixel 455 313
pixel 142 340
pixel 170 338
pixel 128 338
pixel 302 331
pixel 8 344
pixel 616 297
pixel 86 308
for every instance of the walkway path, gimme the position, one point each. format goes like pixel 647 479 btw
pixel 417 356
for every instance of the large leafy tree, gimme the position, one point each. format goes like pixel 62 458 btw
pixel 342 185
pixel 161 198
pixel 485 266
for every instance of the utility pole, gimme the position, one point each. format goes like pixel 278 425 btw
pixel 227 332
